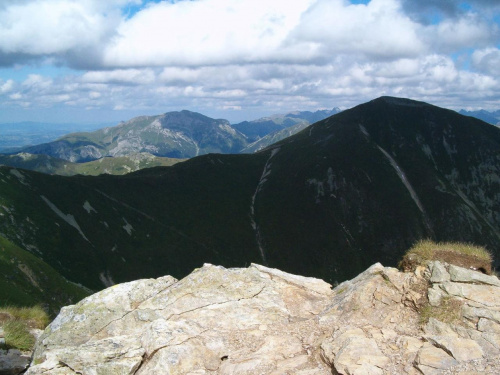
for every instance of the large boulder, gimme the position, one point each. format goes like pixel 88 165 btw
pixel 259 320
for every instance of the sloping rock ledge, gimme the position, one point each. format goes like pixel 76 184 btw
pixel 259 320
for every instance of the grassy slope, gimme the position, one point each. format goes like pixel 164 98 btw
pixel 116 165
pixel 27 280
pixel 179 217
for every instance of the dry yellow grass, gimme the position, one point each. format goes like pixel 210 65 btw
pixel 461 254
pixel 35 317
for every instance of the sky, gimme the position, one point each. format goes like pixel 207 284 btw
pixel 102 61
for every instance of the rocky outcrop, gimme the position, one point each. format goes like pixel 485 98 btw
pixel 263 321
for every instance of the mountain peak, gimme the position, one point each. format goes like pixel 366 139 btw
pixel 400 101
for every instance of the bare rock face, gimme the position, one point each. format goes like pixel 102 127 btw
pixel 263 321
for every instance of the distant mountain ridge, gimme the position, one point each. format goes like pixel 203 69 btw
pixel 118 165
pixel 492 117
pixel 16 135
pixel 358 187
pixel 274 137
pixel 175 134
pixel 182 134
pixel 265 126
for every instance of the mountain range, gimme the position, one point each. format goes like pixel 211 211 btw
pixel 21 134
pixel 491 117
pixel 257 129
pixel 181 134
pixel 117 165
pixel 356 188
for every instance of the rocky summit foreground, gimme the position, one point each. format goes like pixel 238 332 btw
pixel 259 320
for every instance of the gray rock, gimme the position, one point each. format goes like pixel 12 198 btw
pixel 493 339
pixel 353 352
pixel 438 272
pixel 264 321
pixel 434 295
pixel 436 327
pixel 13 361
pixel 484 295
pixel 432 360
pixel 463 275
pixel 474 313
pixel 216 319
pixel 461 349
pixel 487 325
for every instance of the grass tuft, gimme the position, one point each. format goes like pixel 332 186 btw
pixel 35 317
pixel 17 322
pixel 17 335
pixel 448 311
pixel 452 252
pixel 427 248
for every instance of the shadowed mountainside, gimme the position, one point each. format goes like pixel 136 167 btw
pixel 359 187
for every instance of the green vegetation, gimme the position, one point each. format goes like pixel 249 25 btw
pixel 17 335
pixel 109 165
pixel 449 311
pixel 465 255
pixel 35 317
pixel 27 280
pixel 17 322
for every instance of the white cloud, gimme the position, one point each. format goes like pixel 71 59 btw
pixel 16 96
pixel 51 26
pixel 204 32
pixel 468 31
pixel 487 60
pixel 177 75
pixel 122 76
pixel 6 86
pixel 379 29
pixel 198 33
pixel 37 81
pixel 242 55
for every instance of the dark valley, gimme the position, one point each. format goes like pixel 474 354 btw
pixel 356 188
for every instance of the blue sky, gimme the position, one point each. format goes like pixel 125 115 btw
pixel 102 61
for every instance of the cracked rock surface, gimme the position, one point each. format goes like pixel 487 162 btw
pixel 259 320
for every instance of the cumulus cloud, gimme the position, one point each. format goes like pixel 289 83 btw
pixel 487 61
pixel 49 27
pixel 6 86
pixel 237 55
pixel 204 32
pixel 378 29
pixel 123 76
pixel 465 32
pixel 429 10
